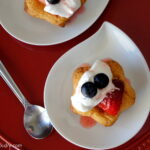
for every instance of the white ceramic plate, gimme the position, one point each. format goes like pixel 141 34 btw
pixel 38 32
pixel 108 42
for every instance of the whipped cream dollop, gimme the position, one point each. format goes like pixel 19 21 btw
pixel 65 8
pixel 84 104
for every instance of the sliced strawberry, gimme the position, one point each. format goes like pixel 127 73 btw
pixel 111 103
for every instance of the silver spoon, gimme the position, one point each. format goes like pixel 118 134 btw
pixel 36 120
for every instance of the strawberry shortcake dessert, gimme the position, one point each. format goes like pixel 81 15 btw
pixel 101 91
pixel 57 12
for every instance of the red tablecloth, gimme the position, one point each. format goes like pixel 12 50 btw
pixel 29 66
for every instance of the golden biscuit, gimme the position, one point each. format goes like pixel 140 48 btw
pixel 36 9
pixel 97 113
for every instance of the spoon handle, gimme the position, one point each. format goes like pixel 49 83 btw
pixel 10 82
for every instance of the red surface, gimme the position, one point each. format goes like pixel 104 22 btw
pixel 29 66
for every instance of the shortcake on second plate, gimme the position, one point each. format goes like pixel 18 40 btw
pixel 101 91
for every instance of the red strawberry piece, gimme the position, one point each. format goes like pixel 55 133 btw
pixel 111 103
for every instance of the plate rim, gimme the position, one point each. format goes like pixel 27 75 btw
pixel 106 23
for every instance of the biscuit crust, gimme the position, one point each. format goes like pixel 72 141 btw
pixel 97 113
pixel 36 9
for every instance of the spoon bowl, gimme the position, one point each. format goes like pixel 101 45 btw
pixel 36 122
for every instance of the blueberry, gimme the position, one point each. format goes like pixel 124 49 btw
pixel 89 89
pixel 101 80
pixel 53 1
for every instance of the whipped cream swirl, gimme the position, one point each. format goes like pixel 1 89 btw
pixel 84 104
pixel 65 8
